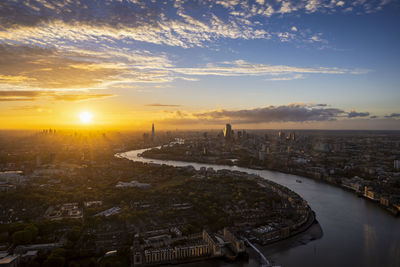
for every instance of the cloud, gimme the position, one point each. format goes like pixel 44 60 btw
pixel 340 3
pixel 37 68
pixel 79 97
pixel 289 78
pixel 174 23
pixel 313 5
pixel 162 105
pixel 282 7
pixel 91 39
pixel 32 67
pixel 37 108
pixel 354 114
pixel 80 21
pixel 35 12
pixel 12 95
pixel 393 116
pixel 14 99
pixel 244 68
pixel 298 112
pixel 47 68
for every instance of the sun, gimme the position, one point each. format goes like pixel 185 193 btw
pixel 86 117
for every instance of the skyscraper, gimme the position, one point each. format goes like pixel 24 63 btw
pixel 153 134
pixel 228 131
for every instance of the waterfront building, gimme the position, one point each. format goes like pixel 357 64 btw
pixel 237 245
pixel 153 256
pixel 213 243
pixel 165 255
pixel 199 245
pixel 370 193
pixel 384 200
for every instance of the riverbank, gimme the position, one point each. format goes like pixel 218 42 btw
pixel 342 216
pixel 329 180
pixel 306 217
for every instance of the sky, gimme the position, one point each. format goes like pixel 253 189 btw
pixel 187 64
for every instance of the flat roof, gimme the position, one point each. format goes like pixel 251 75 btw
pixel 8 259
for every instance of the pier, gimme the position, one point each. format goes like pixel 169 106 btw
pixel 263 260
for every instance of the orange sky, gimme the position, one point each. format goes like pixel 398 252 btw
pixel 198 65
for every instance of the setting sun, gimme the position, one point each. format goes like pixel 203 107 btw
pixel 85 117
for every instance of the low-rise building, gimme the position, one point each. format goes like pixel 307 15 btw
pixel 384 200
pixel 7 187
pixel 13 177
pixel 132 184
pixel 67 210
pixel 23 249
pixel 109 212
pixel 370 193
pixel 10 261
pixel 89 204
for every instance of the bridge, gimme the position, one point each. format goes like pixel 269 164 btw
pixel 264 261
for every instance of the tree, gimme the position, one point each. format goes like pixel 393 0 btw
pixel 74 264
pixel 56 258
pixel 112 264
pixel 74 234
pixel 33 230
pixel 59 252
pixel 21 237
pixel 33 264
pixel 54 261
pixel 90 263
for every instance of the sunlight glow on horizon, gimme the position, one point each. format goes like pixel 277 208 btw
pixel 85 117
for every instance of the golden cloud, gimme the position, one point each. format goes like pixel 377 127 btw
pixel 12 95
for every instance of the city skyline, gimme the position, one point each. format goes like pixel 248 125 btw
pixel 311 64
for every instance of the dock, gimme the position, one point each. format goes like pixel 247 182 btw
pixel 263 260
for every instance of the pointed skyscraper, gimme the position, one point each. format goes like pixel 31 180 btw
pixel 153 134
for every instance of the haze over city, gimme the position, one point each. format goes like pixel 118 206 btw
pixel 311 64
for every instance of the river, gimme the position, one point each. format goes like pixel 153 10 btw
pixel 356 232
